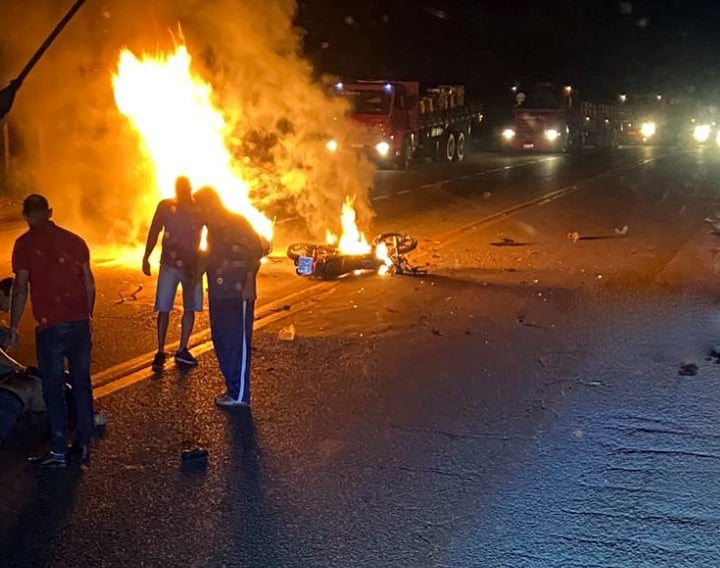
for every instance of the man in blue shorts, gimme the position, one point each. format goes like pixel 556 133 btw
pixel 181 227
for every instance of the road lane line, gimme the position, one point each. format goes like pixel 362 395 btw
pixel 404 191
pixel 270 316
pixel 137 369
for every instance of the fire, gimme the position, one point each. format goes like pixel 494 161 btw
pixel 351 240
pixel 381 253
pixel 182 131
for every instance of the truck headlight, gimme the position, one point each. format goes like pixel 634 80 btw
pixel 648 129
pixel 551 134
pixel 701 133
pixel 508 134
pixel 331 145
pixel 382 148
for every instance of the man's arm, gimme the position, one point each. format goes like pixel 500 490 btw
pixel 18 300
pixel 152 238
pixel 89 281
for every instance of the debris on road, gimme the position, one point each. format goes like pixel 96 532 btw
pixel 287 333
pixel 574 236
pixel 688 370
pixel 487 194
pixel 100 419
pixel 194 457
pixel 132 296
pixel 622 231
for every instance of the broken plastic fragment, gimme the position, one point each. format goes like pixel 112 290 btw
pixel 287 333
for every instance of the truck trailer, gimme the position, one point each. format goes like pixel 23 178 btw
pixel 398 122
pixel 549 118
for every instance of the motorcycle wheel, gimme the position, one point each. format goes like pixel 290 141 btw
pixel 405 243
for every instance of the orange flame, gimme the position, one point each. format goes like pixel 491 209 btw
pixel 181 129
pixel 351 240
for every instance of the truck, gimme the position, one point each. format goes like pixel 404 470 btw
pixel 551 118
pixel 398 122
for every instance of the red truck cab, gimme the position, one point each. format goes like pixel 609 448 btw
pixel 388 115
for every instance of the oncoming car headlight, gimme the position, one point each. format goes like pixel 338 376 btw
pixel 551 134
pixel 648 129
pixel 508 134
pixel 701 133
pixel 382 148
pixel 331 145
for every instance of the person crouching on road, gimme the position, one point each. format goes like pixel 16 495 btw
pixel 55 264
pixel 233 260
pixel 20 389
pixel 181 227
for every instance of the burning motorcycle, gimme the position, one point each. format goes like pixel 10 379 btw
pixel 327 262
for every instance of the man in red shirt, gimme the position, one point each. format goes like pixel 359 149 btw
pixel 55 264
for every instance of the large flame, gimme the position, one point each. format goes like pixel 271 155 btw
pixel 181 129
pixel 351 240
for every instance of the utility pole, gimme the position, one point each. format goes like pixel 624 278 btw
pixel 7 95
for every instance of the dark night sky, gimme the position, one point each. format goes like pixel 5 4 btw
pixel 604 46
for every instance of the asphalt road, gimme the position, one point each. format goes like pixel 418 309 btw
pixel 518 406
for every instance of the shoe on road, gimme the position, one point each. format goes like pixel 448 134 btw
pixel 50 460
pixel 185 357
pixel 225 401
pixel 158 363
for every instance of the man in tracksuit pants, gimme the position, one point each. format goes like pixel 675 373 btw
pixel 232 263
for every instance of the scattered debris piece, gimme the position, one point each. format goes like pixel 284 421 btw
pixel 622 231
pixel 285 308
pixel 436 331
pixel 574 236
pixel 715 223
pixel 688 370
pixel 194 458
pixel 487 194
pixel 132 296
pixel 287 333
pixel 100 419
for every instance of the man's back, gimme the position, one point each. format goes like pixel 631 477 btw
pixel 235 249
pixel 181 235
pixel 53 258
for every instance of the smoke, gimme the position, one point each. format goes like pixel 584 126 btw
pixel 78 150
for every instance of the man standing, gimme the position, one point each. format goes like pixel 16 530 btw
pixel 234 254
pixel 55 264
pixel 181 227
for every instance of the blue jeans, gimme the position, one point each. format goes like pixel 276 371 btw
pixel 231 324
pixel 71 342
pixel 11 407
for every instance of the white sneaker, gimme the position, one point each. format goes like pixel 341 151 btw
pixel 225 401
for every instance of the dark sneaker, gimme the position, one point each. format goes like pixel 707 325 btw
pixel 158 363
pixel 80 453
pixel 226 401
pixel 185 357
pixel 50 460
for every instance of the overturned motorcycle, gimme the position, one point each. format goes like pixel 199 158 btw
pixel 327 262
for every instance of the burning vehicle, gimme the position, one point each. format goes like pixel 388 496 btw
pixel 351 253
